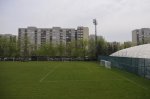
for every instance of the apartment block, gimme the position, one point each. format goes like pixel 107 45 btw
pixel 141 36
pixel 8 37
pixel 36 37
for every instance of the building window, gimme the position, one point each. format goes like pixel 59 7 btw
pixel 142 32
pixel 25 30
pixel 43 40
pixel 50 38
pixel 50 30
pixel 61 30
pixel 43 34
pixel 19 30
pixel 138 39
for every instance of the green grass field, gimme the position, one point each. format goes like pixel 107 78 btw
pixel 69 80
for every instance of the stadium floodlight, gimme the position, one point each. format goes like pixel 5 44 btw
pixel 95 23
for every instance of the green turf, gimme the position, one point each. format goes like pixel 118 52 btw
pixel 69 80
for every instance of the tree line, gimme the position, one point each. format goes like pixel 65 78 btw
pixel 80 48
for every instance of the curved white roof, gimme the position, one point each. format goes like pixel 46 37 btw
pixel 141 51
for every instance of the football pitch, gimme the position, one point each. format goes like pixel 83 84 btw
pixel 69 80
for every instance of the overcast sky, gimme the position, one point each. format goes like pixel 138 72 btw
pixel 116 18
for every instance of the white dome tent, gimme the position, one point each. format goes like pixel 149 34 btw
pixel 134 59
pixel 141 51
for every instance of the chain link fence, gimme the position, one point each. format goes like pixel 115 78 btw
pixel 139 66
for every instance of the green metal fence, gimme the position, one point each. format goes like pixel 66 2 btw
pixel 139 66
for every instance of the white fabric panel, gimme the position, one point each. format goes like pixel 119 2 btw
pixel 141 51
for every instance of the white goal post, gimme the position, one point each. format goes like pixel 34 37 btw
pixel 105 63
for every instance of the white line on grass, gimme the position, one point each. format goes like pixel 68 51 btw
pixel 51 71
pixel 133 82
pixel 82 80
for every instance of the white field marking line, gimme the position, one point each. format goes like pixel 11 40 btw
pixel 51 71
pixel 133 82
pixel 82 80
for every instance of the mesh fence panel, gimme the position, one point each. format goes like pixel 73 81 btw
pixel 139 66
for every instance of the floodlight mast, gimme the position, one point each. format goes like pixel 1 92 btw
pixel 95 23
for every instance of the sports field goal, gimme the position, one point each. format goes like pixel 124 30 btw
pixel 105 63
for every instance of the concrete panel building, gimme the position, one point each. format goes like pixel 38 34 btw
pixel 82 33
pixel 141 36
pixel 36 37
pixel 8 37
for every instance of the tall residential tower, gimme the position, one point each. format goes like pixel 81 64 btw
pixel 36 37
pixel 141 36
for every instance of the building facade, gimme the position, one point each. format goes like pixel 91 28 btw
pixel 36 37
pixel 141 36
pixel 8 37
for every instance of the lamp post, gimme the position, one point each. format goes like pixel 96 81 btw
pixel 95 23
